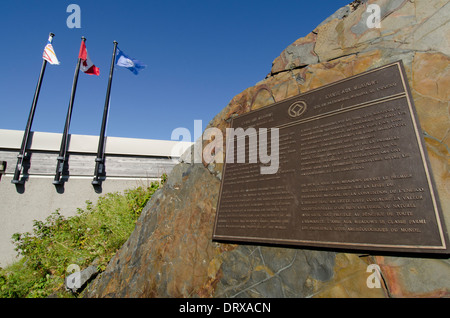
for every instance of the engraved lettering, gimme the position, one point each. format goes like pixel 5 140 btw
pixel 350 168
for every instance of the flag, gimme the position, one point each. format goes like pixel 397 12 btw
pixel 130 63
pixel 49 54
pixel 86 64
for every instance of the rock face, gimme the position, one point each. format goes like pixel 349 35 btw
pixel 171 254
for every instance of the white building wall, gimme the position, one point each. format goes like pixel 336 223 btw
pixel 129 163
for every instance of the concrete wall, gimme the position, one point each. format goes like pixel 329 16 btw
pixel 129 163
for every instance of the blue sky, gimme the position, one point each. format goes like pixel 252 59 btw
pixel 199 55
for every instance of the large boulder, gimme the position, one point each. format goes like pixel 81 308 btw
pixel 171 253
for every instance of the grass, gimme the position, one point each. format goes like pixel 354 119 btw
pixel 94 233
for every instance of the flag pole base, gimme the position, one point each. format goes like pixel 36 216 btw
pixel 96 182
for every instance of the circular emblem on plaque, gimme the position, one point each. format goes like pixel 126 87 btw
pixel 297 109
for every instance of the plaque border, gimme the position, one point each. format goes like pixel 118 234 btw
pixel 406 93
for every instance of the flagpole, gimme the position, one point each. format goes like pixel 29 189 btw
pixel 23 155
pixel 100 160
pixel 62 157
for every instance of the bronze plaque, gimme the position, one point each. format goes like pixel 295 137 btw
pixel 352 171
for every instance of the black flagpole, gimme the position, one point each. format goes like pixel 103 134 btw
pixel 100 160
pixel 64 140
pixel 23 155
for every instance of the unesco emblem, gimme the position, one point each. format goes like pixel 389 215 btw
pixel 297 109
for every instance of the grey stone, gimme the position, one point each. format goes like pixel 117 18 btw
pixel 304 53
pixel 322 264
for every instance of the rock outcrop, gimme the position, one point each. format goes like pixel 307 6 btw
pixel 171 254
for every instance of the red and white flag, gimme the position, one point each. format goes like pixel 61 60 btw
pixel 86 64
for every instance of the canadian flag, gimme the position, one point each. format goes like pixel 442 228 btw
pixel 86 64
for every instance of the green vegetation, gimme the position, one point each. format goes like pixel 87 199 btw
pixel 94 233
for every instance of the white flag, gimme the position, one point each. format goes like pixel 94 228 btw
pixel 49 54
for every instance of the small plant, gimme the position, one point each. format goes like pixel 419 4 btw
pixel 163 178
pixel 94 233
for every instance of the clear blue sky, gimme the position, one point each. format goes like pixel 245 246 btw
pixel 199 55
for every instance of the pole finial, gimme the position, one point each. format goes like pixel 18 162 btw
pixel 83 38
pixel 52 34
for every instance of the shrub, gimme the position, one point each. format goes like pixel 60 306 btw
pixel 94 233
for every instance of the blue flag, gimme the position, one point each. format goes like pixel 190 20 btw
pixel 130 63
